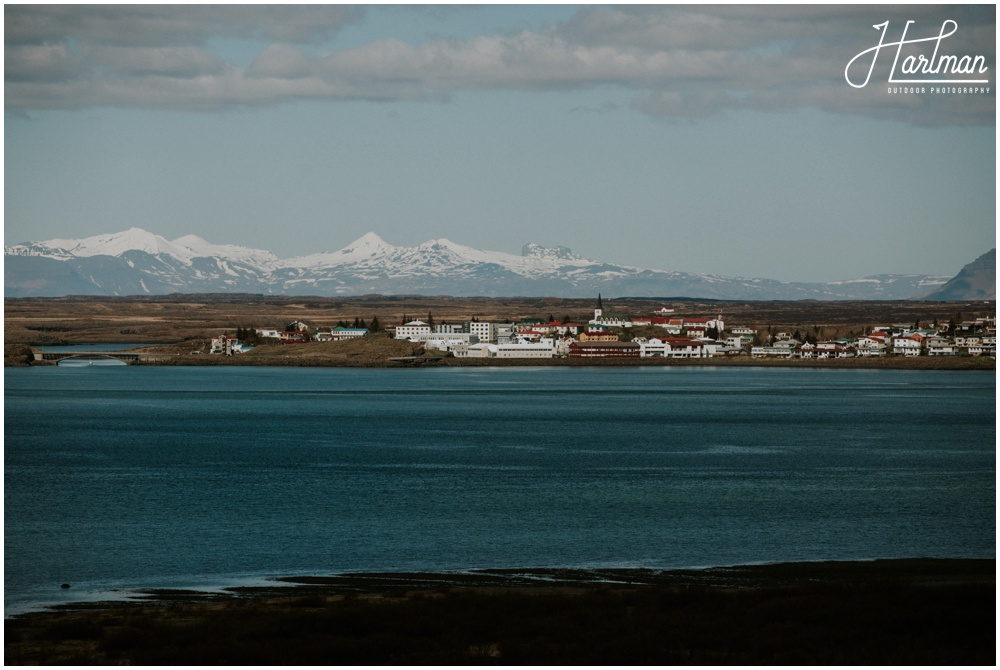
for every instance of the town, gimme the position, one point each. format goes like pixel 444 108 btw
pixel 620 336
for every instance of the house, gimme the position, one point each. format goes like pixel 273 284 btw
pixel 504 333
pixel 742 330
pixel 226 345
pixel 697 327
pixel 531 335
pixel 526 324
pixel 673 326
pixel 870 347
pixel 559 344
pixel 682 347
pixel 941 346
pixel 823 350
pixel 293 337
pixel 695 330
pixel 604 350
pixel 674 347
pixel 567 328
pixel 786 344
pixel 980 346
pixel 908 345
pixel 738 341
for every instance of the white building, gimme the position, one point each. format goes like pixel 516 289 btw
pixel 739 341
pixel 484 350
pixel 484 330
pixel 673 347
pixel 907 346
pixel 771 352
pixel 505 333
pixel 478 350
pixel 609 320
pixel 525 351
pixel 445 341
pixel 940 346
pixel 867 347
pixel 268 332
pixel 224 344
pixel 409 330
pixel 341 333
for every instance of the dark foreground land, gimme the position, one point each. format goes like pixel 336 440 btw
pixel 912 612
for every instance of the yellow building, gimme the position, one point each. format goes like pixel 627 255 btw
pixel 597 336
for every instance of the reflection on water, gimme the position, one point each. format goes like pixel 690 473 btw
pixel 89 362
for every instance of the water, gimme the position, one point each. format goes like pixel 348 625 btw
pixel 140 477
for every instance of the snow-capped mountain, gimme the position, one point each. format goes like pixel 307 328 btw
pixel 184 249
pixel 139 262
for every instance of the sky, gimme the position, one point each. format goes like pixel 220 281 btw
pixel 732 140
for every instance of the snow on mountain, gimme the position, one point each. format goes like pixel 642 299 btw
pixel 368 248
pixel 136 261
pixel 184 249
pixel 199 248
pixel 115 244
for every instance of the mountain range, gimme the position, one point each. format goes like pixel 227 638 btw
pixel 137 262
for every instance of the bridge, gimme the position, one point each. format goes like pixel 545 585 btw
pixel 128 357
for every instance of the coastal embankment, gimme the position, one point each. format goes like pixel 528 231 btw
pixel 885 612
pixel 383 352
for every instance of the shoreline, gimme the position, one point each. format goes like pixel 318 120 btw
pixel 319 355
pixel 441 617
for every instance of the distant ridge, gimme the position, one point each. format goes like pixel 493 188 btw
pixel 137 262
pixel 976 281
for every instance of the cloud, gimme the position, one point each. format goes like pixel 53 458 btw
pixel 679 62
pixel 173 25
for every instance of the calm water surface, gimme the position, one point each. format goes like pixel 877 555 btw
pixel 137 477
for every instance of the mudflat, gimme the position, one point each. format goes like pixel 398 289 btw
pixel 903 611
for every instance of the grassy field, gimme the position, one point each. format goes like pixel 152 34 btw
pixel 162 319
pixel 901 612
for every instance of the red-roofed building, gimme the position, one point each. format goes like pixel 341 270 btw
pixel 604 350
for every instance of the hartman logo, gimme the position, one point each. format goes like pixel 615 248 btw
pixel 921 61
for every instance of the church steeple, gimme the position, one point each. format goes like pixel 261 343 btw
pixel 599 310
